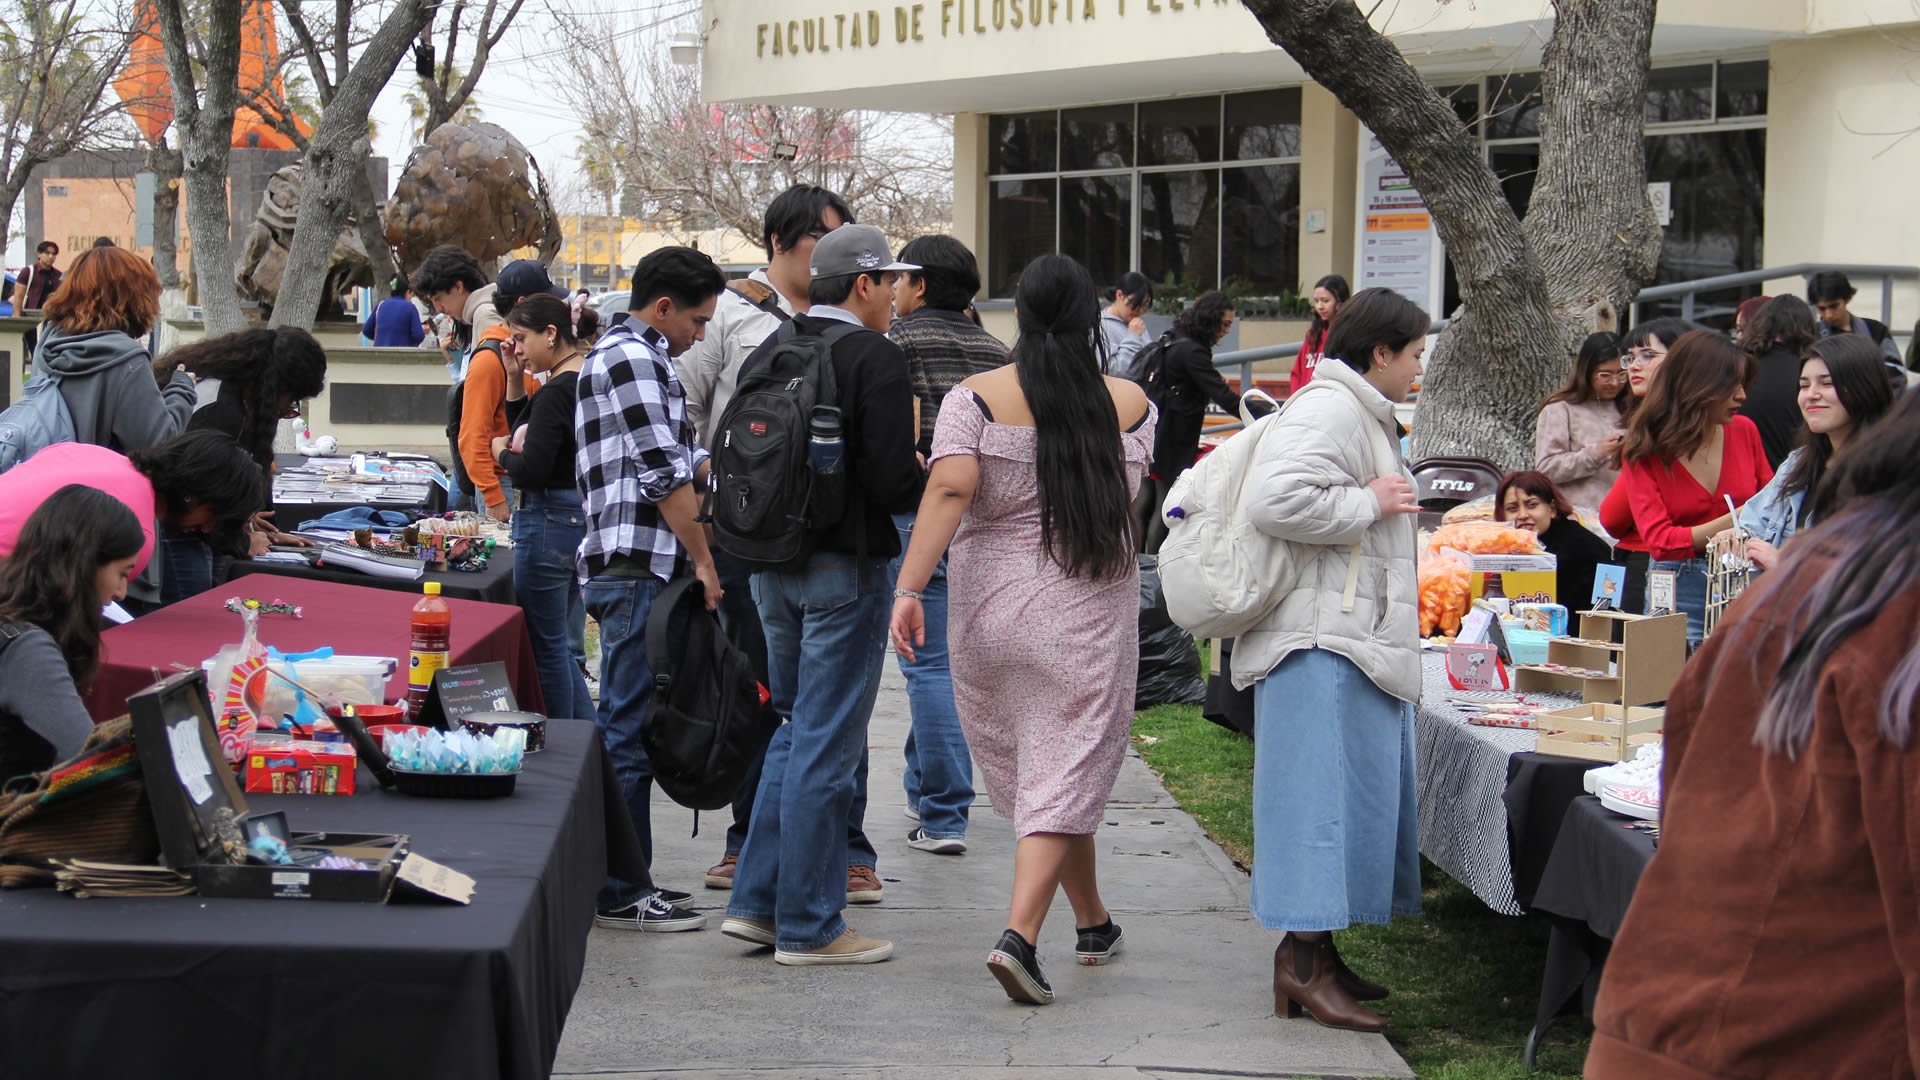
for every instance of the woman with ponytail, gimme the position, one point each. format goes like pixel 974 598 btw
pixel 1034 466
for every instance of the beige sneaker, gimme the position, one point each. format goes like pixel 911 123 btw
pixel 848 948
pixel 752 930
pixel 863 885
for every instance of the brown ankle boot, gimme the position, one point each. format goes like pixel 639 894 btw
pixel 1304 977
pixel 1361 989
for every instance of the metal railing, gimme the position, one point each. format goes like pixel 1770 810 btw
pixel 1687 292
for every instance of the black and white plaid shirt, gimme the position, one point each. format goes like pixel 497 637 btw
pixel 636 448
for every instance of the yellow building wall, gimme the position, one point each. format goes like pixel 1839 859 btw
pixel 1840 175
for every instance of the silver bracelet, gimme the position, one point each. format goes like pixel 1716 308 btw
pixel 909 594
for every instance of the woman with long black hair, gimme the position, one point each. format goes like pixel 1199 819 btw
pixel 1843 390
pixel 264 376
pixel 1775 934
pixel 1034 465
pixel 75 554
pixel 1328 294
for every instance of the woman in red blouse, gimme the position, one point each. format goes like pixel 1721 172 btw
pixel 1645 349
pixel 1687 452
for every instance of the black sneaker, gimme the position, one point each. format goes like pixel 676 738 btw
pixel 673 896
pixel 1017 966
pixel 1098 944
pixel 653 915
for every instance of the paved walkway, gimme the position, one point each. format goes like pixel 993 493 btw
pixel 1189 997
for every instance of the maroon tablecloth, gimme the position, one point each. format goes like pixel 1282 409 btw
pixel 353 619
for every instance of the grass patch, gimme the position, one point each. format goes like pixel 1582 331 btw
pixel 1465 980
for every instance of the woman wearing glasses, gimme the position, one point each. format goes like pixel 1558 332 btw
pixel 1646 348
pixel 1576 439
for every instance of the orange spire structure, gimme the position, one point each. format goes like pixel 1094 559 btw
pixel 148 93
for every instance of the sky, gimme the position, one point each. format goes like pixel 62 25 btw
pixel 511 90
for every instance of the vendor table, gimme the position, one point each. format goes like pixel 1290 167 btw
pixel 493 585
pixel 290 515
pixel 350 618
pixel 198 987
pixel 1489 805
pixel 1585 890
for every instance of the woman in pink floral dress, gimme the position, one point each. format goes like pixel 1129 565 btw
pixel 1034 468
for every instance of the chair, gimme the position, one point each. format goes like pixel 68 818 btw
pixel 1442 483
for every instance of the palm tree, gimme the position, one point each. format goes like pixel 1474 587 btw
pixel 418 108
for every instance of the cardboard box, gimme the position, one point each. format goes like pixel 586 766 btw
pixel 301 768
pixel 1523 578
pixel 201 813
pixel 1598 732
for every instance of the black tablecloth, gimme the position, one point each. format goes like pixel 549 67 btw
pixel 493 585
pixel 1540 788
pixel 1585 890
pixel 187 986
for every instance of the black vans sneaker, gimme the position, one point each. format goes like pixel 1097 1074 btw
pixel 653 915
pixel 1098 944
pixel 1017 966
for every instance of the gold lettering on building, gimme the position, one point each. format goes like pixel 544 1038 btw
pixel 958 18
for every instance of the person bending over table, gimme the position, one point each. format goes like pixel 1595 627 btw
pixel 551 519
pixel 201 484
pixel 75 554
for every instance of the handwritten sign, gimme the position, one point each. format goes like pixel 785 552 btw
pixel 470 688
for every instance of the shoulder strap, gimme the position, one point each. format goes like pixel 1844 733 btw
pixel 660 625
pixel 1384 461
pixel 759 296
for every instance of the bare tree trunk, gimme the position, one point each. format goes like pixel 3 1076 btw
pixel 337 153
pixel 206 131
pixel 373 236
pixel 164 163
pixel 1509 344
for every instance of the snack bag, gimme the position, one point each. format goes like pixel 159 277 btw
pixel 238 701
pixel 1444 585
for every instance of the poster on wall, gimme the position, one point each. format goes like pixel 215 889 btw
pixel 1398 247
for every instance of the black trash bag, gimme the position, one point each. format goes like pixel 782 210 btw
pixel 1169 660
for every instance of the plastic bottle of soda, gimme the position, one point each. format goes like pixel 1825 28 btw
pixel 432 633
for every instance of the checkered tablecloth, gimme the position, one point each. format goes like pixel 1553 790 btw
pixel 1462 777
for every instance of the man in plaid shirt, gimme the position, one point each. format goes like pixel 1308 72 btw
pixel 638 467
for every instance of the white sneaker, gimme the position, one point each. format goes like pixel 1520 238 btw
pixel 1635 802
pixel 939 845
pixel 1642 771
pixel 912 814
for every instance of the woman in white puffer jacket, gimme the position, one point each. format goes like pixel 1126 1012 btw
pixel 1336 666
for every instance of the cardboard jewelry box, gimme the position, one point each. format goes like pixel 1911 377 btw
pixel 201 814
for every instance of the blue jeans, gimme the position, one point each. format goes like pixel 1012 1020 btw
pixel 547 530
pixel 1689 592
pixel 621 606
pixel 186 565
pixel 939 779
pixel 825 626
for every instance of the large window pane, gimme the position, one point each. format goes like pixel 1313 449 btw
pixel 1743 89
pixel 1180 132
pixel 1719 183
pixel 1019 230
pixel 1680 94
pixel 1516 164
pixel 1260 226
pixel 1513 107
pixel 1023 143
pixel 1465 101
pixel 1096 138
pixel 1096 224
pixel 1265 124
pixel 1180 227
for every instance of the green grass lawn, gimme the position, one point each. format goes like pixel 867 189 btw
pixel 1464 979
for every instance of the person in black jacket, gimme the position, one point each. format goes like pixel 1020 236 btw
pixel 826 620
pixel 1776 338
pixel 1188 383
pixel 1530 501
pixel 1829 292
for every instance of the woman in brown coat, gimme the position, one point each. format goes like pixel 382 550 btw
pixel 1777 932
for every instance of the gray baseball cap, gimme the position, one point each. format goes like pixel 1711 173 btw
pixel 854 249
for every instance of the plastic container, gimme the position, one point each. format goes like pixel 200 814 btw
pixel 354 680
pixel 431 635
pixel 455 785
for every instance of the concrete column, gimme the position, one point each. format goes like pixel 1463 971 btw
pixel 970 189
pixel 1329 155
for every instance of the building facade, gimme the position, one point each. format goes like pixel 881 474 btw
pixel 1171 136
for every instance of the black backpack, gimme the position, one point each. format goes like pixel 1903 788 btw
pixel 1152 367
pixel 709 717
pixel 765 501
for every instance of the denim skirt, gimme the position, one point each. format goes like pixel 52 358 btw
pixel 1336 835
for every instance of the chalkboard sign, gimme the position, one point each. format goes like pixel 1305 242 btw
pixel 471 688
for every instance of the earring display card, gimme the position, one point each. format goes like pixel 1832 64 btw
pixel 1660 592
pixel 1609 583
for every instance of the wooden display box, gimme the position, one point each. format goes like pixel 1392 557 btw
pixel 1598 732
pixel 1642 656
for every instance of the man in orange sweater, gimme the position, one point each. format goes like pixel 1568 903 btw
pixel 455 285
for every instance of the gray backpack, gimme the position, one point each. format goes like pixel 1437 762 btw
pixel 38 420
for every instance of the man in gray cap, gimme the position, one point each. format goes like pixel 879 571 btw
pixel 826 614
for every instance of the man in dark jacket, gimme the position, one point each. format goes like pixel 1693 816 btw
pixel 1187 382
pixel 826 623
